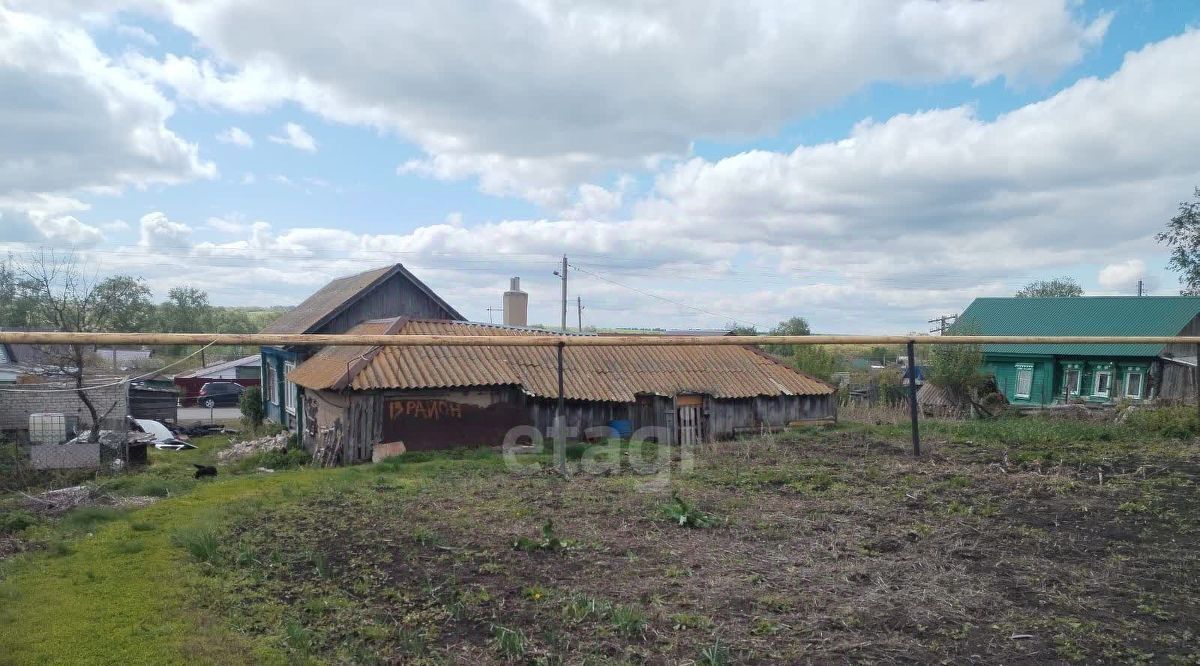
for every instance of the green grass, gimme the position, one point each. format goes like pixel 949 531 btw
pixel 155 585
pixel 128 593
pixel 142 601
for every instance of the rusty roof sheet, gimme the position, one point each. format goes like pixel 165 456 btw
pixel 613 374
pixel 331 299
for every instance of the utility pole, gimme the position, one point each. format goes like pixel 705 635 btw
pixel 1139 287
pixel 942 323
pixel 579 307
pixel 563 275
pixel 560 416
pixel 912 399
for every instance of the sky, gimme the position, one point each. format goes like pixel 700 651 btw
pixel 866 165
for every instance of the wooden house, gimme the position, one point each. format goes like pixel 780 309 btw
pixel 361 401
pixel 391 291
pixel 1040 375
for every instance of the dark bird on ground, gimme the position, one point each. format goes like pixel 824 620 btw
pixel 204 470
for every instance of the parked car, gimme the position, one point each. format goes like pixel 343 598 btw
pixel 220 394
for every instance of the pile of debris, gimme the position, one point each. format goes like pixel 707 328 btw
pixel 62 500
pixel 239 450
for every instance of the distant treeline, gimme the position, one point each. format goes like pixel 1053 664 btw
pixel 39 295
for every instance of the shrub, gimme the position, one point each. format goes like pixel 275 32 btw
pixel 251 404
pixel 1178 422
pixel 816 361
pixel 15 521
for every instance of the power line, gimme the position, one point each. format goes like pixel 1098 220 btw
pixel 124 380
pixel 663 298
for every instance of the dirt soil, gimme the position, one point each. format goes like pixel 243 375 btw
pixel 826 547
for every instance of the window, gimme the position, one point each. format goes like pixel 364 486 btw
pixel 1071 379
pixel 1102 384
pixel 289 389
pixel 1024 381
pixel 1133 385
pixel 271 385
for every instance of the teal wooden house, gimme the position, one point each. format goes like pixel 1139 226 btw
pixel 1039 375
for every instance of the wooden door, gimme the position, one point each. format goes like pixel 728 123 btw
pixel 689 410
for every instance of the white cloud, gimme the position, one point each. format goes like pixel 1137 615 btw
pixel 237 136
pixel 159 232
pixel 249 178
pixel 1123 277
pixel 230 224
pixel 295 136
pixel 74 120
pixel 595 202
pixel 116 226
pixel 1085 176
pixel 592 86
pixel 67 230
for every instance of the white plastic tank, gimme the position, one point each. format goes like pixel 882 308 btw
pixel 47 428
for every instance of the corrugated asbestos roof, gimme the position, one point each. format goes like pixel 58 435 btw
pixel 331 299
pixel 1085 315
pixel 613 374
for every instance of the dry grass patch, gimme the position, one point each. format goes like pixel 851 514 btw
pixel 820 546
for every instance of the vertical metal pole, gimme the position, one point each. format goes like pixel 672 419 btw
pixel 1196 379
pixel 912 399
pixel 560 426
pixel 564 294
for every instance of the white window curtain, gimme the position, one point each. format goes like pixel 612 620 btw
pixel 289 397
pixel 1133 385
pixel 1024 381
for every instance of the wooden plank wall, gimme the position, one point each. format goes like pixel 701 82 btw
pixel 726 417
pixel 394 298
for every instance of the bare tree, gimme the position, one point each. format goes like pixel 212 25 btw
pixel 61 297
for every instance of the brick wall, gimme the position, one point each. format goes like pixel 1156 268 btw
pixel 16 406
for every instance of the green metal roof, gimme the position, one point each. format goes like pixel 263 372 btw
pixel 1085 315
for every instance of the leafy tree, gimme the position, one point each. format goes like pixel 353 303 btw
pixel 231 320
pixel 123 304
pixel 743 330
pixel 15 305
pixel 816 361
pixel 186 310
pixel 62 298
pixel 1183 237
pixel 793 326
pixel 956 368
pixel 251 405
pixel 1059 286
pixel 891 386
